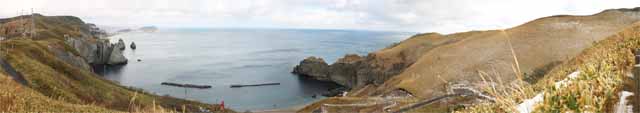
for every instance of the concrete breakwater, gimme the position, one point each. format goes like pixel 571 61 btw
pixel 186 85
pixel 252 85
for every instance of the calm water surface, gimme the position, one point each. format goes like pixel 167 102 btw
pixel 221 57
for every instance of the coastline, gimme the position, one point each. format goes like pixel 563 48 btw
pixel 55 64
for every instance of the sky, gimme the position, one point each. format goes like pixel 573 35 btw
pixel 443 16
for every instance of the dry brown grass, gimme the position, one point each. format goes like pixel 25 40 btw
pixel 17 98
pixel 537 44
pixel 602 70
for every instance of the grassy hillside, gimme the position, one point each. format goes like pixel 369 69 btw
pixel 603 70
pixel 18 98
pixel 47 27
pixel 50 79
pixel 539 44
pixel 482 59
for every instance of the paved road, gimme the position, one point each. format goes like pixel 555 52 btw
pixel 425 102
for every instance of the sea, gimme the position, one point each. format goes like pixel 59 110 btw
pixel 222 57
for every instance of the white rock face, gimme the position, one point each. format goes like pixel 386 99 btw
pixel 85 48
pixel 116 56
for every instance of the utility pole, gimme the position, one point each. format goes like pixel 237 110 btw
pixel 24 27
pixel 33 24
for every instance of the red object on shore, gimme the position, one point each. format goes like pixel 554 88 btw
pixel 222 105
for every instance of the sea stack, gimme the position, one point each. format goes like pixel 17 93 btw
pixel 133 45
pixel 120 45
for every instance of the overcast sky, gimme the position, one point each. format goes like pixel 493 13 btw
pixel 445 16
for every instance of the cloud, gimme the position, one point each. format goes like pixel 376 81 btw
pixel 445 16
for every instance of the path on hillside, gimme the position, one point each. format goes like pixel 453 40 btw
pixel 12 72
pixel 425 102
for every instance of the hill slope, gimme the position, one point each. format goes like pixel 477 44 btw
pixel 53 71
pixel 18 98
pixel 537 44
pixel 604 70
pixel 431 70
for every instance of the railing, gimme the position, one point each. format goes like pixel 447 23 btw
pixel 636 77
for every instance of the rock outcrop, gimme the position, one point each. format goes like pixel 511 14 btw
pixel 116 57
pixel 313 67
pixel 100 51
pixel 352 71
pixel 86 48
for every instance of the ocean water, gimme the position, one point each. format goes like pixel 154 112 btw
pixel 221 57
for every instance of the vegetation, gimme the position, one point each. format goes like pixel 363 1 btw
pixel 17 98
pixel 548 49
pixel 602 69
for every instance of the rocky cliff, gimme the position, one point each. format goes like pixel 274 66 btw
pixel 98 51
